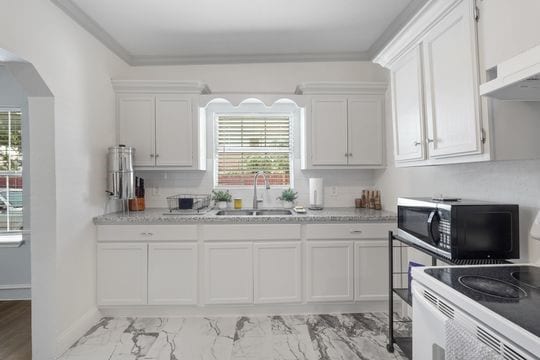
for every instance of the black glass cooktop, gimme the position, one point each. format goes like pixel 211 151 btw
pixel 511 291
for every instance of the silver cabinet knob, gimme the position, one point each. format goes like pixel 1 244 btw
pixel 157 155
pixel 416 143
pixel 346 154
pixel 151 155
pixel 350 154
pixel 430 140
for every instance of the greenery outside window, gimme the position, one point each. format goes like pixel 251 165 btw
pixel 11 184
pixel 246 144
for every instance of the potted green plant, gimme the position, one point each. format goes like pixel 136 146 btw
pixel 288 197
pixel 221 198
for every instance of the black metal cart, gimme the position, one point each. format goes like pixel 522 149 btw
pixel 404 292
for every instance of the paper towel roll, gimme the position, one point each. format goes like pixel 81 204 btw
pixel 316 193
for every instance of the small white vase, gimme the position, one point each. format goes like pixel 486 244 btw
pixel 288 204
pixel 222 205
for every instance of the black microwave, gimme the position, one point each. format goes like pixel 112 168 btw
pixel 460 229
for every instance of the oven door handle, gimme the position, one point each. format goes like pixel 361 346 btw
pixel 432 216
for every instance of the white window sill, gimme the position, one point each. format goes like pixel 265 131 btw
pixel 11 240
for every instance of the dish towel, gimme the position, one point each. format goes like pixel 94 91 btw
pixel 463 345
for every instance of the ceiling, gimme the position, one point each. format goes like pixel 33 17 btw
pixel 150 32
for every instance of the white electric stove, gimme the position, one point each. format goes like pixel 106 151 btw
pixel 497 306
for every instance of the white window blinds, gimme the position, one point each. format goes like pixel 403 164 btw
pixel 247 144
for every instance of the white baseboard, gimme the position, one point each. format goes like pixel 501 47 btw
pixel 15 286
pixel 239 310
pixel 73 333
pixel 15 292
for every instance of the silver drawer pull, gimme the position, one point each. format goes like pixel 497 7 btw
pixel 356 231
pixel 147 234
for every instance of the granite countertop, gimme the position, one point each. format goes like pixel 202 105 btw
pixel 158 216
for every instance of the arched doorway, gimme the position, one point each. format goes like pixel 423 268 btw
pixel 39 196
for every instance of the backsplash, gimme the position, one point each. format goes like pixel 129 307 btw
pixel 348 185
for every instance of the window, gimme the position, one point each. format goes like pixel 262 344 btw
pixel 11 196
pixel 249 143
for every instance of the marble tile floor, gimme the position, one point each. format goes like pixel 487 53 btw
pixel 288 337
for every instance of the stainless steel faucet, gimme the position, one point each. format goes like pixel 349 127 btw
pixel 256 201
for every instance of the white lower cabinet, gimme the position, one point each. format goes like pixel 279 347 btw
pixel 188 266
pixel 228 269
pixel 172 274
pixel 121 274
pixel 371 270
pixel 329 271
pixel 277 272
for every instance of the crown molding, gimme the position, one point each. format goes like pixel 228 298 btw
pixel 159 87
pixel 341 88
pixel 90 25
pixel 140 60
pixel 395 26
pixel 412 33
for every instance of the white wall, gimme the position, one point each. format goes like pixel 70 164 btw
pixel 260 78
pixel 77 69
pixel 14 262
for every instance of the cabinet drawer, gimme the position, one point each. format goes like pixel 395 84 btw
pixel 348 231
pixel 251 232
pixel 147 232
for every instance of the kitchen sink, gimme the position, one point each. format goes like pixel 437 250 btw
pixel 235 212
pixel 262 212
pixel 273 212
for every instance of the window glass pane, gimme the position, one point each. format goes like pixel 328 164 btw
pixel 11 185
pixel 247 144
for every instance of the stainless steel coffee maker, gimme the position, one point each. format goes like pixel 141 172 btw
pixel 120 177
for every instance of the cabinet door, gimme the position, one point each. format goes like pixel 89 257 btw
pixel 407 107
pixel 172 274
pixel 452 99
pixel 228 273
pixel 277 272
pixel 121 274
pixel 371 269
pixel 136 121
pixel 329 131
pixel 329 271
pixel 174 131
pixel 365 135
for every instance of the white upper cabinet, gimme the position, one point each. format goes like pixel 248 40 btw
pixel 328 131
pixel 438 116
pixel 365 135
pixel 452 98
pixel 344 126
pixel 136 126
pixel 408 112
pixel 161 121
pixel 174 131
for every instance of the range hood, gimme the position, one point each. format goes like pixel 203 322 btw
pixel 516 79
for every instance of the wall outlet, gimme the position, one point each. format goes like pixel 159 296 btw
pixel 333 191
pixel 156 191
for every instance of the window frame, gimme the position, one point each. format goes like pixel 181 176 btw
pixel 266 114
pixel 14 235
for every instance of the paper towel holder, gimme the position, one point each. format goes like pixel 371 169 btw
pixel 316 194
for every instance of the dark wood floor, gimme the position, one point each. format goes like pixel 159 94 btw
pixel 15 330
